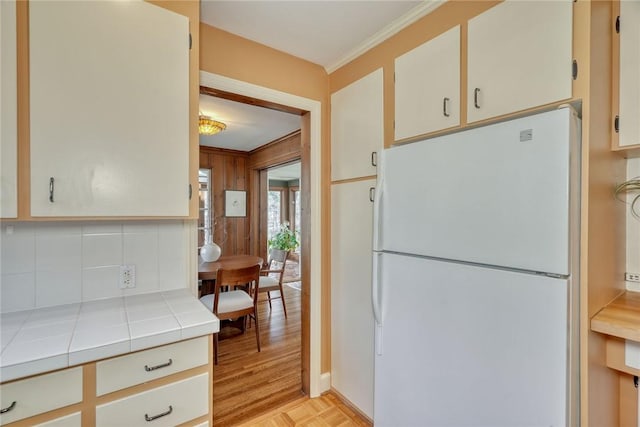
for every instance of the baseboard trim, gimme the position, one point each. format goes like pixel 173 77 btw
pixel 351 406
pixel 325 382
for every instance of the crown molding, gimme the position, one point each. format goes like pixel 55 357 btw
pixel 390 30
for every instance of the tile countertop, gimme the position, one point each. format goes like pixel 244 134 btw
pixel 45 339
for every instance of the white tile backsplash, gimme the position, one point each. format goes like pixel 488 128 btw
pixel 50 263
pixel 18 246
pixel 18 292
pixel 101 250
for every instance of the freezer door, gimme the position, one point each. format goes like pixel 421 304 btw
pixel 496 195
pixel 470 346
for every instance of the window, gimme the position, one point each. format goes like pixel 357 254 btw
pixel 274 212
pixel 205 222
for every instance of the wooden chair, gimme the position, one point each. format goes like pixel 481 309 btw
pixel 234 303
pixel 271 276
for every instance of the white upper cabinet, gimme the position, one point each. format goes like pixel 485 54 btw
pixel 427 86
pixel 519 56
pixel 109 109
pixel 8 112
pixel 357 130
pixel 629 108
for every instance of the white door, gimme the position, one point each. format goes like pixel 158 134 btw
pixel 8 112
pixel 519 56
pixel 109 109
pixel 469 346
pixel 351 315
pixel 629 71
pixel 427 83
pixel 357 129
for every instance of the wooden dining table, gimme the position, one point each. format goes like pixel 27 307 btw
pixel 207 270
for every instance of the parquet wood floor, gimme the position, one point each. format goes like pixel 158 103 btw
pixel 264 389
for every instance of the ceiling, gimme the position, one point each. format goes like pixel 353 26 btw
pixel 326 32
pixel 248 126
pixel 285 173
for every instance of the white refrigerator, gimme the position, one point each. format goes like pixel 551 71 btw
pixel 475 277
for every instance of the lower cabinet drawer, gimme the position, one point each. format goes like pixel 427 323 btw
pixel 42 393
pixel 168 405
pixel 73 420
pixel 143 366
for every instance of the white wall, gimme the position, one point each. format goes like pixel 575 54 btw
pixel 51 263
pixel 633 229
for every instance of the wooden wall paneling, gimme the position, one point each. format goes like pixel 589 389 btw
pixel 283 150
pixel 242 236
pixel 263 201
pixel 230 235
pixel 217 165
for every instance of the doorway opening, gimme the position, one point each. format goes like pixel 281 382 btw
pixel 257 166
pixel 284 209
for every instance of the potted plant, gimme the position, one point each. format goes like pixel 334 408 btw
pixel 284 239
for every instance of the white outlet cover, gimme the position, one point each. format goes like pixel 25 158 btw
pixel 632 354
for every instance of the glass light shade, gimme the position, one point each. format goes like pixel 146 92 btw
pixel 208 126
pixel 210 252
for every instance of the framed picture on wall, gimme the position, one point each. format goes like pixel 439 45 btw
pixel 235 203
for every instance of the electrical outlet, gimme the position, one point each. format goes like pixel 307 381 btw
pixel 127 276
pixel 632 277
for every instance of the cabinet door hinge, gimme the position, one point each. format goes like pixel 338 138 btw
pixel 190 41
pixel 190 191
pixel 616 124
pixel 618 24
pixel 574 69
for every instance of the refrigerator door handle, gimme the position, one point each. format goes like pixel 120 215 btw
pixel 377 206
pixel 375 301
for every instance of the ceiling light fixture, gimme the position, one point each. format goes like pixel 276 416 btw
pixel 208 126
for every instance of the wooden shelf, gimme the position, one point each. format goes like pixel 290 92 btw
pixel 621 318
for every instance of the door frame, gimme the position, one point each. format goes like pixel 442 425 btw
pixel 311 330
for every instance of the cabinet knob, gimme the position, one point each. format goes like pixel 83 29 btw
pixel 476 94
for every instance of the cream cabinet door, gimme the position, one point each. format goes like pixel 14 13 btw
pixel 519 56
pixel 427 83
pixel 109 109
pixel 629 125
pixel 8 112
pixel 351 314
pixel 357 129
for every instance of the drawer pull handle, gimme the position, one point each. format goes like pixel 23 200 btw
pixel 476 92
pixel 153 368
pixel 8 408
pixel 155 417
pixel 445 104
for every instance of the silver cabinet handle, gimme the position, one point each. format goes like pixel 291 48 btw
pixel 476 92
pixel 51 188
pixel 374 158
pixel 445 105
pixel 153 368
pixel 372 193
pixel 8 408
pixel 155 417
